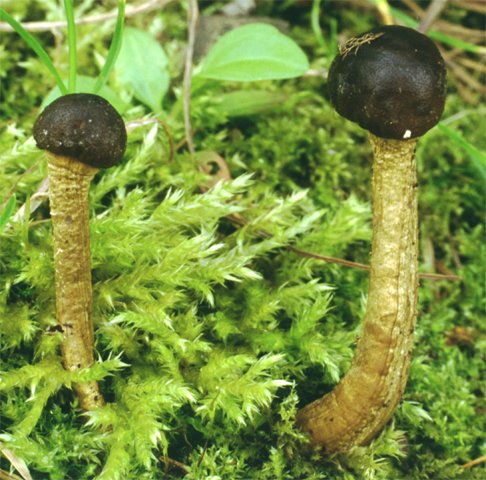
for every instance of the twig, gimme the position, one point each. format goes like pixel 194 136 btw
pixel 36 200
pixel 130 12
pixel 474 462
pixel 385 12
pixel 433 11
pixel 133 124
pixel 191 38
pixel 170 462
pixel 238 219
pixel 474 5
pixel 16 462
pixel 7 476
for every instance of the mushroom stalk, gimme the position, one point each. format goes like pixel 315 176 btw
pixel 365 399
pixel 81 133
pixel 68 197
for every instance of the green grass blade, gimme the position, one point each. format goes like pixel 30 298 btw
pixel 477 157
pixel 114 47
pixel 316 27
pixel 439 36
pixel 36 46
pixel 7 212
pixel 71 31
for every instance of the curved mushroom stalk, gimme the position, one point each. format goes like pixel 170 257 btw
pixel 68 198
pixel 365 399
pixel 392 82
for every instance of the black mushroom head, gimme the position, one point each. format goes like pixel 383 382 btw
pixel 84 127
pixel 391 81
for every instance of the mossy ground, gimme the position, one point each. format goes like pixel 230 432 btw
pixel 210 336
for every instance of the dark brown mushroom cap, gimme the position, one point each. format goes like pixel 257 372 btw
pixel 82 126
pixel 391 81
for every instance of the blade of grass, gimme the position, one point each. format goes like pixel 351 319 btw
pixel 477 157
pixel 71 32
pixel 439 36
pixel 36 46
pixel 316 27
pixel 7 211
pixel 114 47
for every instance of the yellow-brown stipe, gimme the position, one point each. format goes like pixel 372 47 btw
pixel 365 399
pixel 69 182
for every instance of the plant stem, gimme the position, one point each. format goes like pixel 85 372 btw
pixel 365 399
pixel 73 59
pixel 68 197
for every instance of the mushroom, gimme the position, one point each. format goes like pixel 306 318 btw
pixel 392 82
pixel 81 134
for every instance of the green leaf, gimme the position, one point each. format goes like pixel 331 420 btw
pixel 248 102
pixel 142 67
pixel 115 47
pixel 71 34
pixel 7 212
pixel 254 52
pixel 86 85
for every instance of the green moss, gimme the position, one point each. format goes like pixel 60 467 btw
pixel 210 335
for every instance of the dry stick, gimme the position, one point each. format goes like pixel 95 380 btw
pixel 170 462
pixel 433 11
pixel 240 220
pixel 191 38
pixel 133 124
pixel 6 476
pixel 474 462
pixel 130 12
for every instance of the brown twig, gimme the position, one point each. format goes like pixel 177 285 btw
pixel 133 124
pixel 7 476
pixel 474 5
pixel 240 220
pixel 103 17
pixel 170 462
pixel 191 38
pixel 474 462
pixel 433 11
pixel 17 463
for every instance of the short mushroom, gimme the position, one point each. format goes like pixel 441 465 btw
pixel 392 82
pixel 81 134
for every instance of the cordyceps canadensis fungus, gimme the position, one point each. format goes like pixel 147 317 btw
pixel 392 82
pixel 81 134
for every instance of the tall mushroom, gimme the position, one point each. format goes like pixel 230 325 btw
pixel 392 82
pixel 81 134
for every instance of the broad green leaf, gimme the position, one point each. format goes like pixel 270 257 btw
pixel 7 212
pixel 254 52
pixel 249 102
pixel 86 85
pixel 142 68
